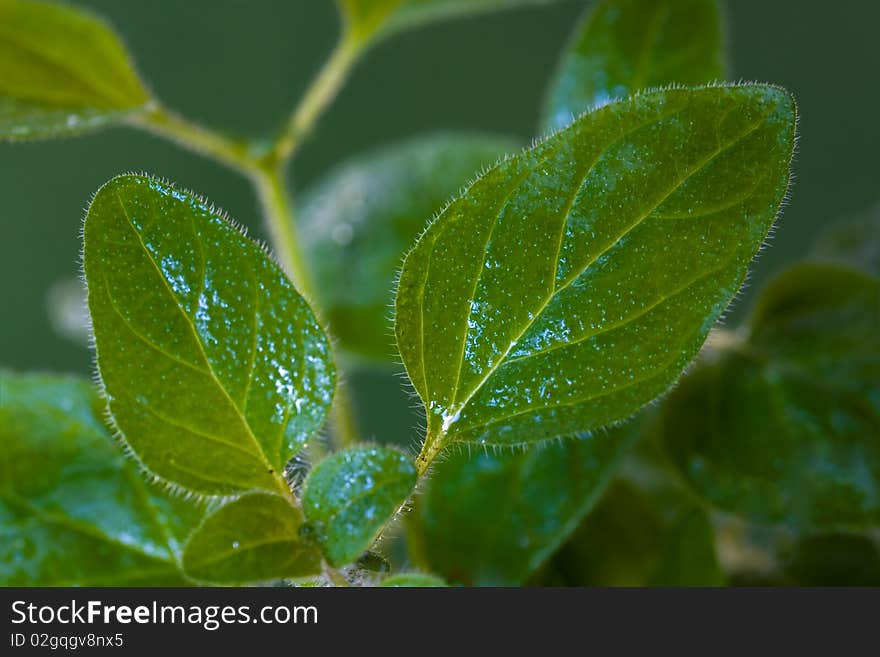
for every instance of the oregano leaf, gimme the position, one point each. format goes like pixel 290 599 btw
pixel 351 495
pixel 73 510
pixel 783 426
pixel 359 221
pixel 252 539
pixel 62 72
pixel 624 46
pixel 367 20
pixel 215 370
pixel 413 580
pixel 573 283
pixel 490 519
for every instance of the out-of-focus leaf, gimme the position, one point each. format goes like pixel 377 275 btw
pixel 413 580
pixel 631 539
pixel 358 223
pixel 254 538
pixel 350 496
pixel 492 519
pixel 854 243
pixel 215 369
pixel 62 72
pixel 73 510
pixel 834 559
pixel 571 284
pixel 624 46
pixel 783 427
pixel 367 20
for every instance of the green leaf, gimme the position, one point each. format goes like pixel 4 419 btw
pixel 62 72
pixel 350 496
pixel 73 510
pixel 624 46
pixel 631 538
pixel 215 369
pixel 490 519
pixel 783 427
pixel 853 243
pixel 413 580
pixel 572 284
pixel 358 223
pixel 834 559
pixel 254 538
pixel 367 20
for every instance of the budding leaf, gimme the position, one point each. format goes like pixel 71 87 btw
pixel 350 496
pixel 784 426
pixel 572 284
pixel 62 71
pixel 73 510
pixel 624 46
pixel 254 538
pixel 359 222
pixel 215 369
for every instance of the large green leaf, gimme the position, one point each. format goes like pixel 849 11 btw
pixel 369 19
pixel 73 509
pixel 783 426
pixel 492 519
pixel 572 284
pixel 254 538
pixel 624 46
pixel 350 496
pixel 62 71
pixel 215 369
pixel 359 221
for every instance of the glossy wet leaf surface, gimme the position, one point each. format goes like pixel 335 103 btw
pixel 572 284
pixel 350 496
pixel 62 71
pixel 491 519
pixel 413 580
pixel 73 510
pixel 624 46
pixel 215 369
pixel 369 19
pixel 359 221
pixel 252 539
pixel 783 427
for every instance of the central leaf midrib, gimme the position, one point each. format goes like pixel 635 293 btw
pixel 260 453
pixel 538 313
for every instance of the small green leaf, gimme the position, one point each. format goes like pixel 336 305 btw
pixel 62 71
pixel 254 538
pixel 572 284
pixel 73 510
pixel 624 46
pixel 413 580
pixel 358 223
pixel 783 427
pixel 367 20
pixel 215 369
pixel 350 496
pixel 490 519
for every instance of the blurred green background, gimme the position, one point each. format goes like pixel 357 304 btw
pixel 240 66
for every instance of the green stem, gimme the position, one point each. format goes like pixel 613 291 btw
pixel 336 578
pixel 344 419
pixel 277 207
pixel 234 153
pixel 318 96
